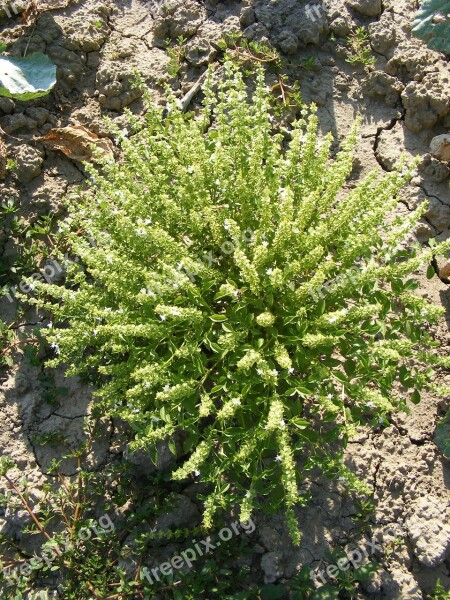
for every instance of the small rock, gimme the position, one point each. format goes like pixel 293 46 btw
pixel 429 531
pixel 368 8
pixel 272 567
pixel 288 42
pixel 341 26
pixel 382 34
pixel 6 105
pixel 443 266
pixel 183 514
pixel 28 163
pixel 247 16
pixel 426 101
pixel 18 122
pixel 142 461
pixel 433 169
pixel 440 147
pixel 380 84
pixel 38 114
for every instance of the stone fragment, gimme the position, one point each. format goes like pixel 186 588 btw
pixel 426 101
pixel 28 163
pixel 429 531
pixel 378 84
pixel 271 565
pixel 368 8
pixel 440 147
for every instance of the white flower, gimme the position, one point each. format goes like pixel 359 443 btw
pixel 142 291
pixel 225 223
pixel 265 243
pixel 332 319
pixel 291 370
pixel 275 372
pixel 329 396
pixel 147 221
pixel 217 182
pixel 196 473
pixel 282 423
pixel 176 313
pixel 278 458
pixel 269 271
pixel 49 324
pixel 162 317
pixel 370 404
pixel 166 387
pixel 236 401
pixel 95 331
pixel 140 231
pixel 248 495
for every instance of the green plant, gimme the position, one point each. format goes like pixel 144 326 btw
pixel 176 54
pixel 309 63
pixel 250 55
pixel 440 593
pixel 77 552
pixel 202 301
pixel 359 50
pixel 432 24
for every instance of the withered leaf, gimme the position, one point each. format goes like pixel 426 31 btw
pixel 35 7
pixel 75 141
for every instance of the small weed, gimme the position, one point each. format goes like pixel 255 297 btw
pixel 359 50
pixel 176 54
pixel 440 593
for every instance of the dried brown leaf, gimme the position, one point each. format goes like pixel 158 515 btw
pixel 35 7
pixel 75 141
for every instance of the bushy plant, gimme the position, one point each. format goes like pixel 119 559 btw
pixel 204 302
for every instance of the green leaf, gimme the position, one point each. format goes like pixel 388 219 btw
pixel 432 24
pixel 442 435
pixel 218 318
pixel 365 571
pixel 326 592
pixel 415 397
pixel 26 78
pixel 430 272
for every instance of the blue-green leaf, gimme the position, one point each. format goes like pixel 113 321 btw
pixel 26 78
pixel 432 24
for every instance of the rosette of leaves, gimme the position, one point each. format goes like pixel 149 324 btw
pixel 229 289
pixel 432 24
